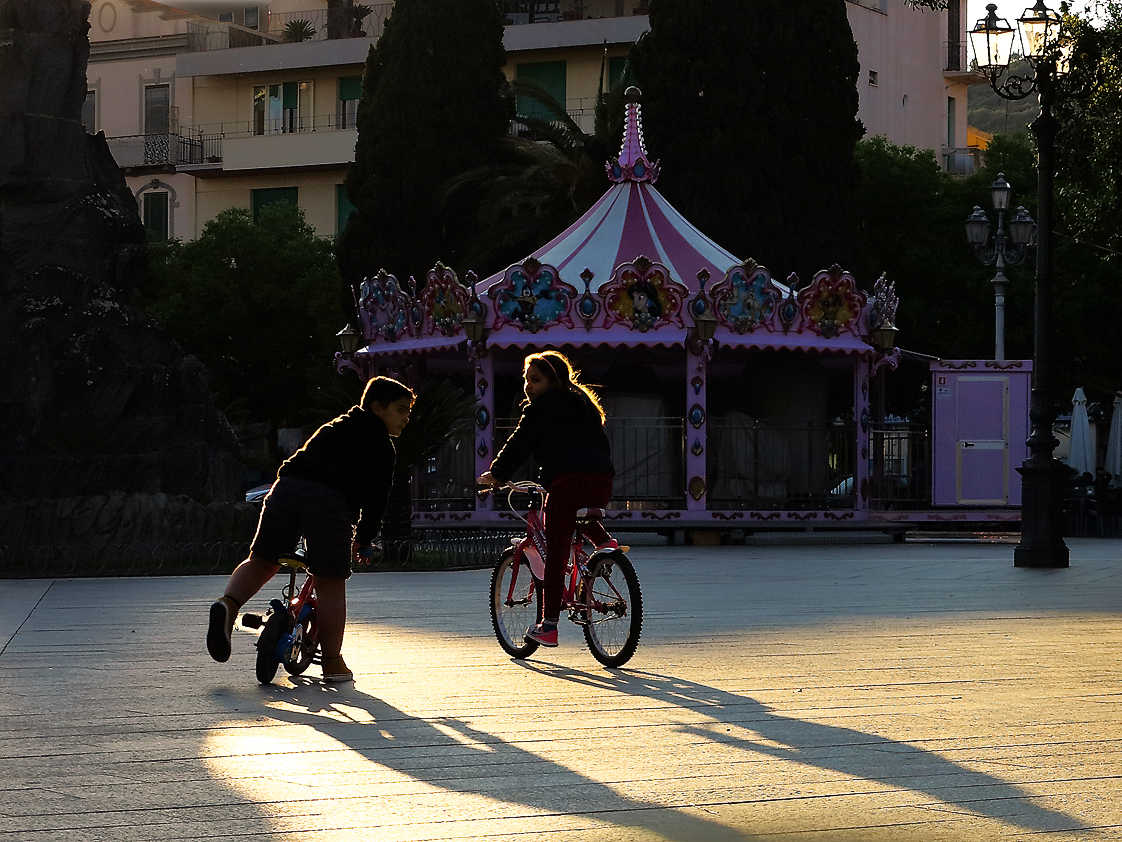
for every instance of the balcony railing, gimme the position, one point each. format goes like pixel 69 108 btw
pixel 961 161
pixel 955 57
pixel 332 24
pixel 165 149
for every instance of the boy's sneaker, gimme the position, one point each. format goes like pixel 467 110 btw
pixel 222 616
pixel 335 670
pixel 539 635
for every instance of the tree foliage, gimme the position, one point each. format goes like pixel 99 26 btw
pixel 910 216
pixel 258 303
pixel 755 123
pixel 546 180
pixel 435 103
pixel 1088 253
pixel 440 408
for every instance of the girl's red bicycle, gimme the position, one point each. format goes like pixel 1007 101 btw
pixel 601 593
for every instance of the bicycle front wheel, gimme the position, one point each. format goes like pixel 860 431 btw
pixel 614 613
pixel 276 625
pixel 515 603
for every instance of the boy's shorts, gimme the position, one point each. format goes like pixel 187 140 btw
pixel 300 507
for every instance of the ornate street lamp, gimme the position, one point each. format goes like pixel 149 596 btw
pixel 349 340
pixel 1000 253
pixel 1047 46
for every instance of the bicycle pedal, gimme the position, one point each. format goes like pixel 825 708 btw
pixel 251 621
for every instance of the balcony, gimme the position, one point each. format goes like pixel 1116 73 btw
pixel 164 152
pixel 959 161
pixel 332 25
pixel 956 64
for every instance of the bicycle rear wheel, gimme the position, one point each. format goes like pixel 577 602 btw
pixel 276 624
pixel 615 609
pixel 515 605
pixel 298 657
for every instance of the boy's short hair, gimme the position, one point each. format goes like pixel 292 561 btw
pixel 384 391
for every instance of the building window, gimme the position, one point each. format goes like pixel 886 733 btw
pixel 350 92
pixel 157 109
pixel 283 108
pixel 225 17
pixel 872 78
pixel 89 112
pixel 155 214
pixel 270 195
pixel 252 18
pixel 551 76
pixel 343 208
pixel 952 105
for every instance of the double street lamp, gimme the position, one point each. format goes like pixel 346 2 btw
pixel 1011 249
pixel 1047 44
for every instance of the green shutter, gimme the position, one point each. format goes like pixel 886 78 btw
pixel 269 195
pixel 156 216
pixel 291 95
pixel 551 76
pixel 343 208
pixel 350 87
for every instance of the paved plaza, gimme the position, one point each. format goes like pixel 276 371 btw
pixel 918 691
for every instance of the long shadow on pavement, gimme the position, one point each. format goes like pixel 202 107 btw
pixel 405 744
pixel 867 756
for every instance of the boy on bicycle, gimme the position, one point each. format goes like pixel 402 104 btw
pixel 333 492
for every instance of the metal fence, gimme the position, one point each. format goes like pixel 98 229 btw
pixel 901 477
pixel 750 464
pixel 165 149
pixel 81 560
pixel 764 464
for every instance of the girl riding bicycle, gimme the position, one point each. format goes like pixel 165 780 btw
pixel 562 429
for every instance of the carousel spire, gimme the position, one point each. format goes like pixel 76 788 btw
pixel 632 163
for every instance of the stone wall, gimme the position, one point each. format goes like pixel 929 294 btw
pixel 108 431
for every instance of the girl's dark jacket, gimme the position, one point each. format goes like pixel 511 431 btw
pixel 562 432
pixel 354 455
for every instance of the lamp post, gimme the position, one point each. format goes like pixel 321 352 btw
pixel 350 340
pixel 1000 253
pixel 1047 46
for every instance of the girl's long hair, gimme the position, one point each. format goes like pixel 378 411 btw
pixel 558 371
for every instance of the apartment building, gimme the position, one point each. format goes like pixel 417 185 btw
pixel 209 107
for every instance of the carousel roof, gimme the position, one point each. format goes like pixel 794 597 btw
pixel 631 219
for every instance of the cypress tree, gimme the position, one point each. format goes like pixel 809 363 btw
pixel 752 109
pixel 435 103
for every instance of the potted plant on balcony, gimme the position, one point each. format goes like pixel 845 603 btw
pixel 296 31
pixel 359 13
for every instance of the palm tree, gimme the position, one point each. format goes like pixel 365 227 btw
pixel 549 177
pixel 440 408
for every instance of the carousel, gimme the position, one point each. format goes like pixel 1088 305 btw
pixel 732 398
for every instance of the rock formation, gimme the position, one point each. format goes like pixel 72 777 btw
pixel 108 432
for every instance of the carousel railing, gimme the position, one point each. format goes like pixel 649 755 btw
pixel 769 464
pixel 900 476
pixel 752 464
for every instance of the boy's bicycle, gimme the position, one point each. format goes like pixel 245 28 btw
pixel 290 628
pixel 601 589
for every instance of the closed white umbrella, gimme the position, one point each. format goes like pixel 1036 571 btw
pixel 1113 464
pixel 1082 456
